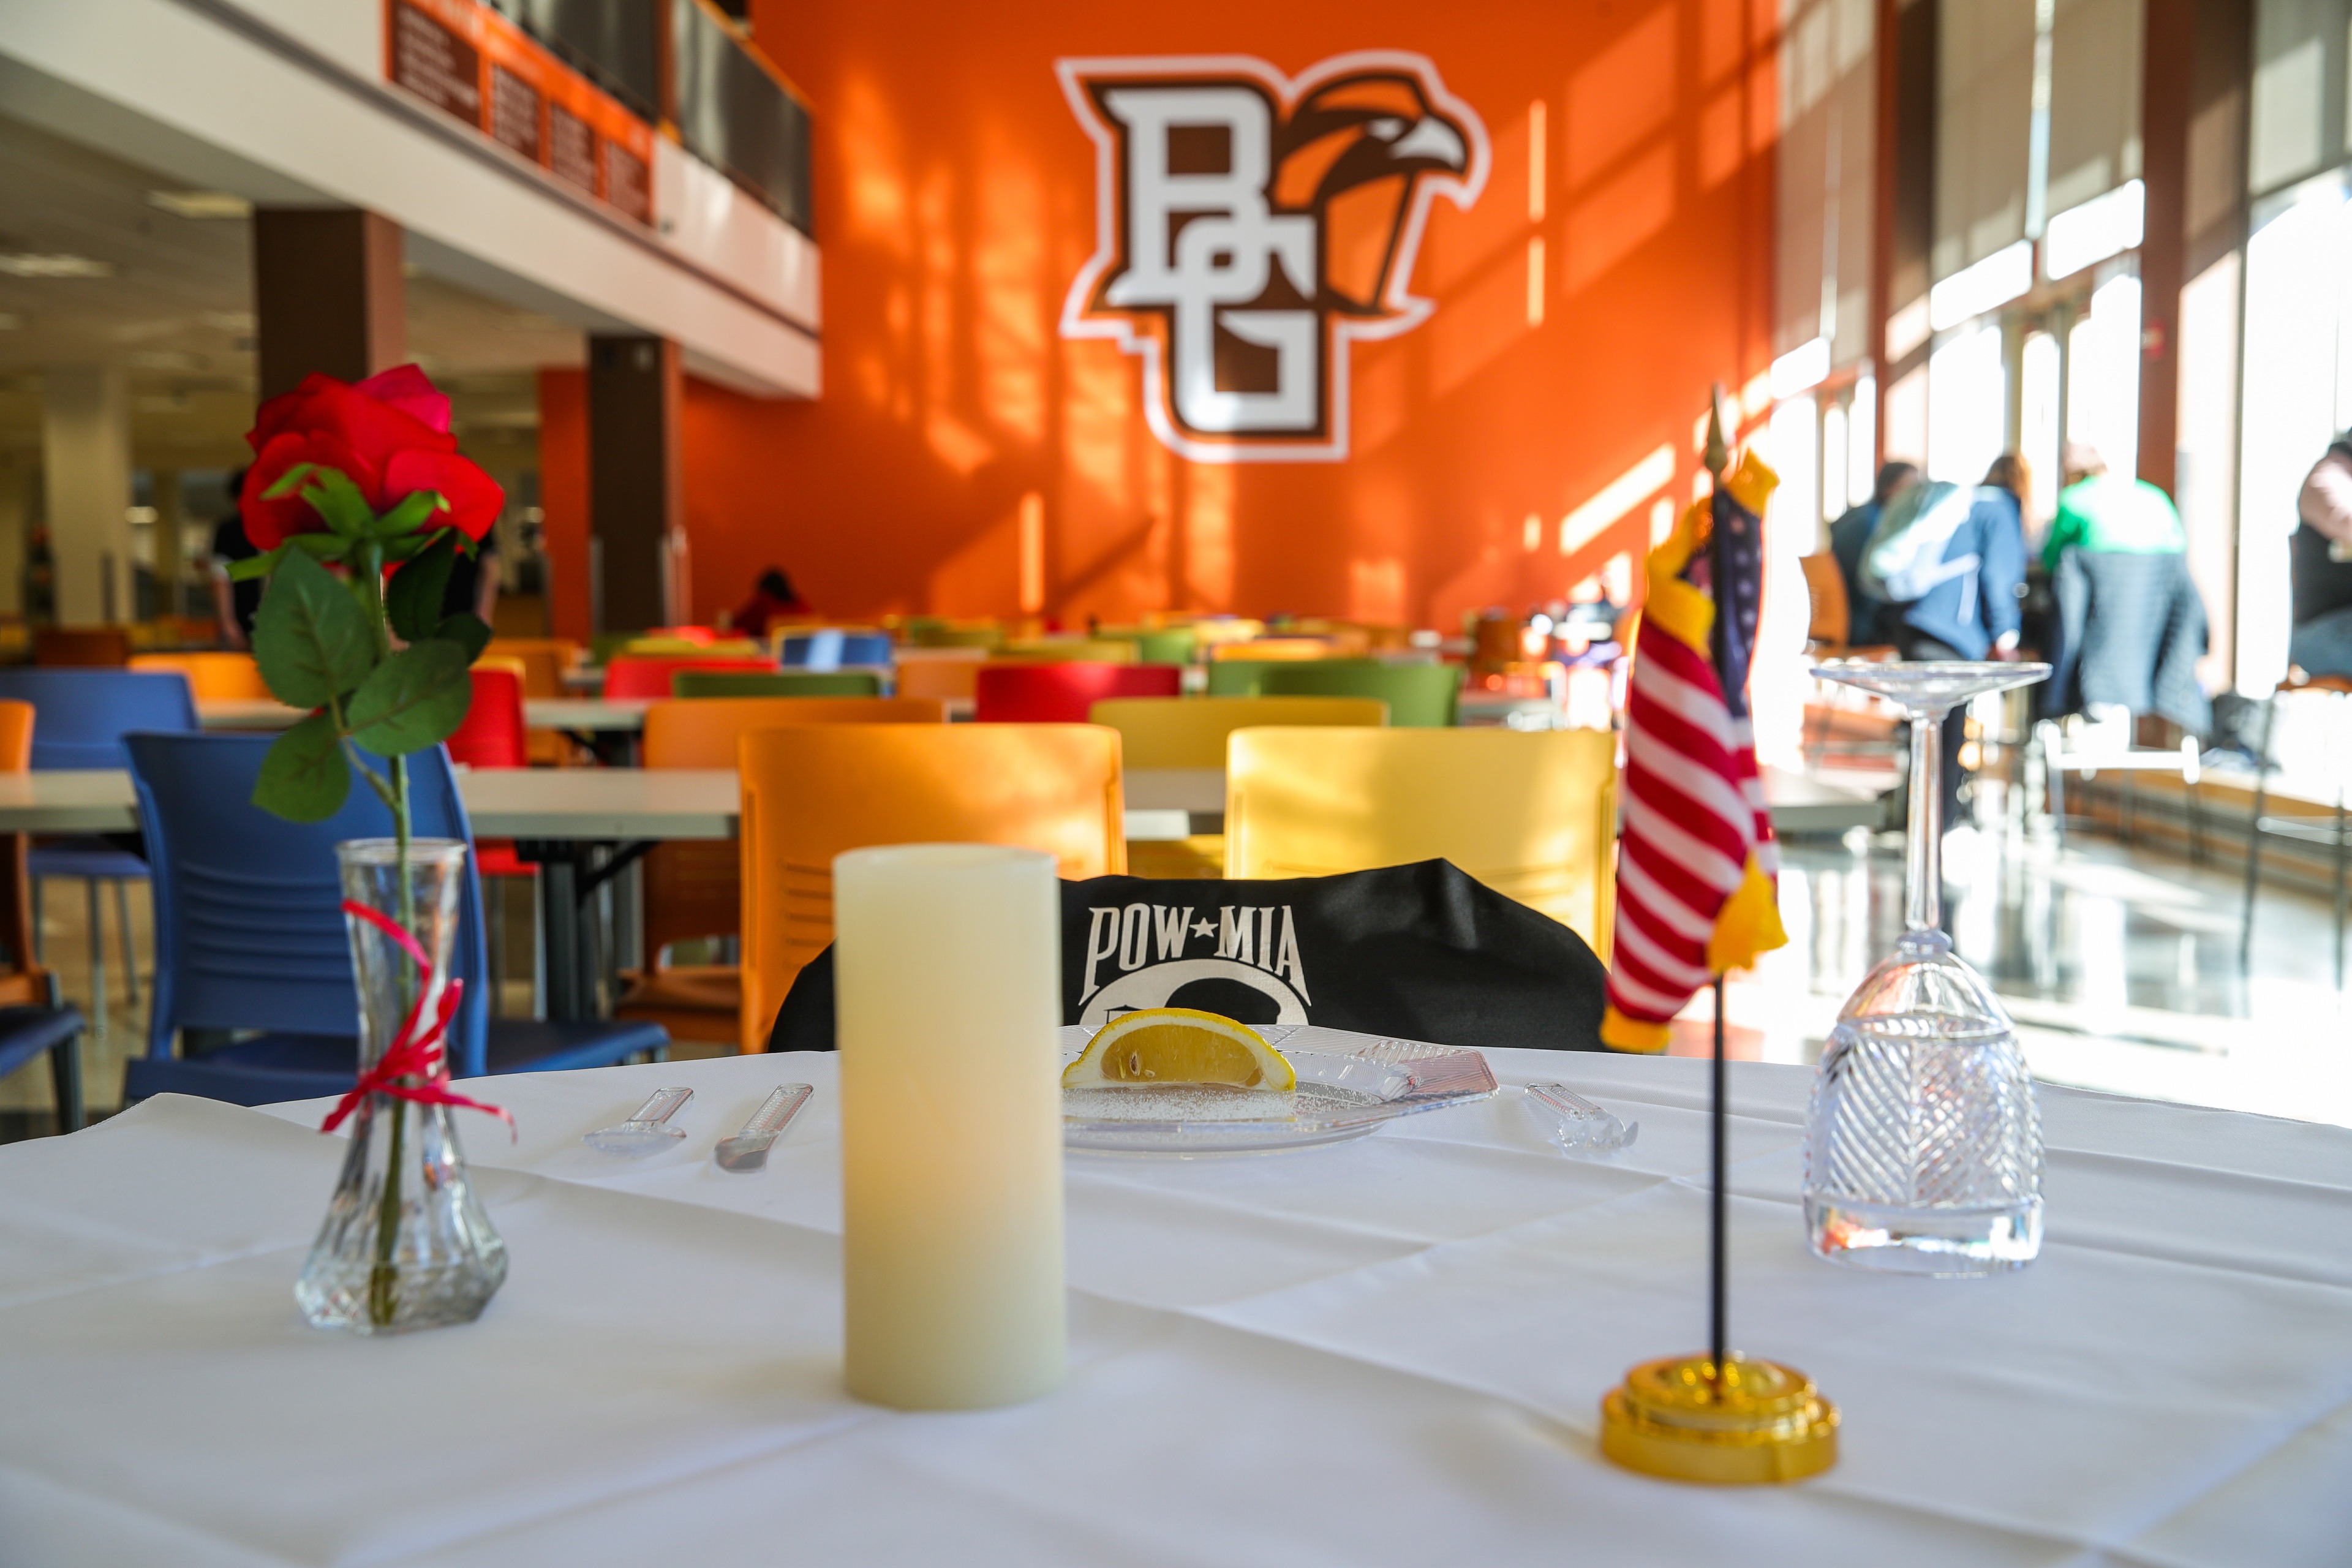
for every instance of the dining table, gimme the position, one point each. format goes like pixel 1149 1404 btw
pixel 1391 1350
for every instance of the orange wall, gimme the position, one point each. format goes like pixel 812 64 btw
pixel 956 202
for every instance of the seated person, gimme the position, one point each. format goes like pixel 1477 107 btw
pixel 2320 560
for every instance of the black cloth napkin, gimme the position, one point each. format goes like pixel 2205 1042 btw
pixel 1422 952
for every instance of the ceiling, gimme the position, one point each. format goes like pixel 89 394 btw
pixel 168 299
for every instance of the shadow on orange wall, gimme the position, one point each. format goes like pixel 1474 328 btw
pixel 1617 262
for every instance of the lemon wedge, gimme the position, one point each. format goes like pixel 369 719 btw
pixel 1176 1045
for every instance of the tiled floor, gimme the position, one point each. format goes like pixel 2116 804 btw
pixel 2120 967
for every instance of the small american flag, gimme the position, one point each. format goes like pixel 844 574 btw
pixel 1696 862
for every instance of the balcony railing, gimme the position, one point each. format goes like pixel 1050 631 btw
pixel 684 63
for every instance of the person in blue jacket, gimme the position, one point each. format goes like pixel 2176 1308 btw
pixel 1964 603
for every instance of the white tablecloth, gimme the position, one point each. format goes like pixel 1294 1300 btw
pixel 1384 1351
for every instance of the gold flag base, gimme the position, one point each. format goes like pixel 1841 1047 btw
pixel 1765 1422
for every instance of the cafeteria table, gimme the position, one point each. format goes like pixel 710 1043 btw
pixel 581 826
pixel 580 717
pixel 1389 1350
pixel 1799 802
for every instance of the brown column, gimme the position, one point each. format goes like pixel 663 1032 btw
pixel 635 395
pixel 1903 225
pixel 328 295
pixel 2168 74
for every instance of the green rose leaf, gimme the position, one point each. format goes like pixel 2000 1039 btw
pixel 468 631
pixel 415 510
pixel 289 481
pixel 413 699
pixel 254 566
pixel 305 776
pixel 335 498
pixel 412 601
pixel 311 640
pixel 319 546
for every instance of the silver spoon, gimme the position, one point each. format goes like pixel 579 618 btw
pixel 646 1132
pixel 748 1150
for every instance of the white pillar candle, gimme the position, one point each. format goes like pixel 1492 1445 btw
pixel 947 970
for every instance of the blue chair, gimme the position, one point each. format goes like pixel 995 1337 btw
pixel 832 649
pixel 250 935
pixel 81 718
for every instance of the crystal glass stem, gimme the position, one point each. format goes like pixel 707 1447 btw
pixel 1923 885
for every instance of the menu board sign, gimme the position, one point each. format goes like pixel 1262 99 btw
pixel 471 63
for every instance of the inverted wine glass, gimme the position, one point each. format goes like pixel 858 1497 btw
pixel 1923 1143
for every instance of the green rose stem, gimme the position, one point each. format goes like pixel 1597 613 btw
pixel 384 673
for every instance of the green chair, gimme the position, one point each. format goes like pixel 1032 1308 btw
pixel 1155 645
pixel 784 683
pixel 1420 696
pixel 1238 676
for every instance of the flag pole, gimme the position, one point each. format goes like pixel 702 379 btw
pixel 1720 1419
pixel 1718 459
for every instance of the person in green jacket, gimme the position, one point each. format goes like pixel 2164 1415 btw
pixel 2102 511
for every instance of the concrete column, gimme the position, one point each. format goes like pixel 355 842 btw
pixel 86 453
pixel 637 512
pixel 328 295
pixel 16 482
pixel 171 565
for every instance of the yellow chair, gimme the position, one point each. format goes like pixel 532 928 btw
pixel 1270 650
pixel 1533 815
pixel 691 886
pixel 213 676
pixel 1071 650
pixel 1191 732
pixel 812 793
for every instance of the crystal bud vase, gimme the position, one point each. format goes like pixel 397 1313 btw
pixel 406 1244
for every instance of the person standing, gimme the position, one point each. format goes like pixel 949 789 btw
pixel 2320 565
pixel 1866 613
pixel 2110 514
pixel 233 603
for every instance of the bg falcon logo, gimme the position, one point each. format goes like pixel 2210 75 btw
pixel 1249 226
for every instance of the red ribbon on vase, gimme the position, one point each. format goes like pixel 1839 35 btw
pixel 418 1050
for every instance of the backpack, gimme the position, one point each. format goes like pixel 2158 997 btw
pixel 1422 951
pixel 1904 561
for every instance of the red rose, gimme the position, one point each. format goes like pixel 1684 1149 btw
pixel 390 434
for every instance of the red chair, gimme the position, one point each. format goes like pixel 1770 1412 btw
pixel 1064 693
pixel 493 736
pixel 646 676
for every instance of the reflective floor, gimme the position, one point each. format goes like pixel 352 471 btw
pixel 2119 965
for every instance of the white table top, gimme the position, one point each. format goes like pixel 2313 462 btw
pixel 1799 802
pixel 503 802
pixel 592 803
pixel 539 712
pixel 1389 1350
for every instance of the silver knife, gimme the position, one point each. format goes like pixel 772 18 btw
pixel 748 1150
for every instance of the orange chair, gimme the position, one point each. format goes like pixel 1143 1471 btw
pixel 23 982
pixel 809 795
pixel 81 647
pixel 214 677
pixel 692 889
pixel 948 679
